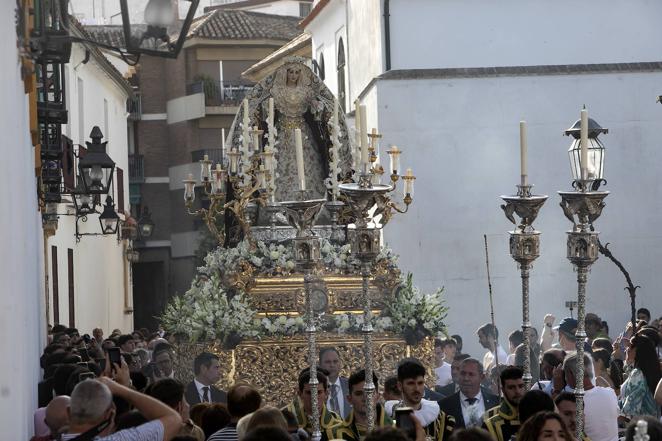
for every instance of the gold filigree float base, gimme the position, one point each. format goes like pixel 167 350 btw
pixel 272 365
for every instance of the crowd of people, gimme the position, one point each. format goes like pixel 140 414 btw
pixel 87 393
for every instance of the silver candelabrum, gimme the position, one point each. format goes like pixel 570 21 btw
pixel 524 249
pixel 365 246
pixel 582 207
pixel 302 215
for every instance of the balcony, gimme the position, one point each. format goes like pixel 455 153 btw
pixel 134 107
pixel 220 93
pixel 136 169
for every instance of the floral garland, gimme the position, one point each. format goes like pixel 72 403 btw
pixel 208 312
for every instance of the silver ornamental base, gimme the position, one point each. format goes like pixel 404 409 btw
pixel 524 249
pixel 582 208
pixel 302 215
pixel 365 245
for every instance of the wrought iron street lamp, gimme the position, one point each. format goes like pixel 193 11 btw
pixel 145 224
pixel 154 27
pixel 84 203
pixel 96 167
pixel 109 219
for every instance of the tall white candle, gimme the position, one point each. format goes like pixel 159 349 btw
pixel 245 132
pixel 409 183
pixel 584 143
pixel 223 143
pixel 270 123
pixel 365 156
pixel 299 155
pixel 357 123
pixel 522 152
pixel 256 139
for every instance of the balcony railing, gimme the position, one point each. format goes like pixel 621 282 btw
pixel 134 106
pixel 220 93
pixel 136 169
pixel 215 155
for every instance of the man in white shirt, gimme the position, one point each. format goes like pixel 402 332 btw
pixel 469 404
pixel 600 403
pixel 202 389
pixel 444 352
pixel 488 335
pixel 338 390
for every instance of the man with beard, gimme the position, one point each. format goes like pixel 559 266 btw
pixel 503 421
pixel 355 426
pixel 437 424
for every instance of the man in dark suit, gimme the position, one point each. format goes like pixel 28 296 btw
pixel 469 404
pixel 454 385
pixel 206 368
pixel 337 402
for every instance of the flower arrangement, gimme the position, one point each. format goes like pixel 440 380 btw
pixel 210 311
pixel 416 314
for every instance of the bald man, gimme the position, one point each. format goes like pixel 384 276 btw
pixel 56 418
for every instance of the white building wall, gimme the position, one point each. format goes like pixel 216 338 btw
pixel 100 270
pixel 461 138
pixel 22 315
pixel 476 33
pixel 282 7
pixel 327 28
pixel 365 46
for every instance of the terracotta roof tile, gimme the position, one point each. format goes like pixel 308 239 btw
pixel 244 25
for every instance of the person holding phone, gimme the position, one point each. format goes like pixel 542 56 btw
pixel 411 381
pixel 92 411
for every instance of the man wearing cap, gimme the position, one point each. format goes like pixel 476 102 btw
pixel 567 328
pixel 594 327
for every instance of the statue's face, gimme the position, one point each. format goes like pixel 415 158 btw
pixel 293 75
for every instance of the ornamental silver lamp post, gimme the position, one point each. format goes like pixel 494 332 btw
pixel 302 215
pixel 371 208
pixel 524 245
pixel 582 207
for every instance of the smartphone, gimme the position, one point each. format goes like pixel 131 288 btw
pixel 85 375
pixel 115 357
pixel 403 421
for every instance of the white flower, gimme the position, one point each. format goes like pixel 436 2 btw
pixel 274 255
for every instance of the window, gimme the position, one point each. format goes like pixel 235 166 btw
pixel 56 288
pixel 119 176
pixel 81 111
pixel 319 66
pixel 105 118
pixel 70 273
pixel 341 73
pixel 305 8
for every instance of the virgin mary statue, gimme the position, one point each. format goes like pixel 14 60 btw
pixel 301 101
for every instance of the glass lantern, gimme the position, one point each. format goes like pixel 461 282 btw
pixel 109 219
pixel 156 27
pixel 96 167
pixel 595 150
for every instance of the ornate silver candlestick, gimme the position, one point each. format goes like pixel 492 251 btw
pixel 302 216
pixel 582 207
pixel 365 246
pixel 524 249
pixel 586 207
pixel 334 207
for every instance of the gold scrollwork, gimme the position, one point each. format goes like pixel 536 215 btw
pixel 272 365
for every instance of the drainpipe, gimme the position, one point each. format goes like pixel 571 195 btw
pixel 387 34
